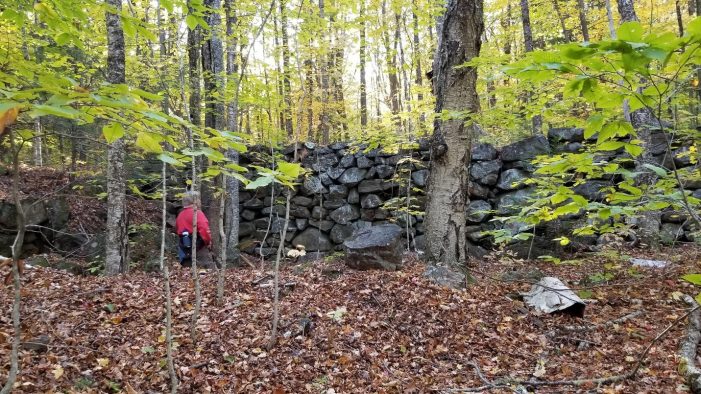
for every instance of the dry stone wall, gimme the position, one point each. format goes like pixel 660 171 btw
pixel 350 188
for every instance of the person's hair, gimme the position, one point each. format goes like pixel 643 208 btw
pixel 191 198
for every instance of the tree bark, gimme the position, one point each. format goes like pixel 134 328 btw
pixel 566 33
pixel 537 120
pixel 16 254
pixel 362 56
pixel 287 86
pixel 680 20
pixel 626 9
pixel 643 120
pixel 324 119
pixel 117 241
pixel 459 40
pixel 418 76
pixel 232 185
pixel 391 63
pixel 583 20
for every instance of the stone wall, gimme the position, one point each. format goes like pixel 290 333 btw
pixel 347 188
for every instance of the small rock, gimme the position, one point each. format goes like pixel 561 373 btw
pixel 370 201
pixel 446 276
pixel 645 263
pixel 376 247
pixel 420 177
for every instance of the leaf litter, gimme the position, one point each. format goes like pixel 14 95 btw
pixel 362 331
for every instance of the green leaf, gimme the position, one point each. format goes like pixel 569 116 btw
pixel 633 149
pixel 113 132
pixel 147 350
pixel 146 142
pixel 661 172
pixel 63 112
pixel 166 158
pixel 260 182
pixel 693 278
pixel 631 31
pixel 291 170
pixel 610 145
pixel 191 21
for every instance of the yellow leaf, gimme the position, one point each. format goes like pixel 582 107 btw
pixel 103 362
pixel 57 371
pixel 162 338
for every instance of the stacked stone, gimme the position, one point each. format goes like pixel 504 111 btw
pixel 347 186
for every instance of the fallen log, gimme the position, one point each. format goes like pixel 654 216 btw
pixel 688 345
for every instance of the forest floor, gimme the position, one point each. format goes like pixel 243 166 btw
pixel 372 332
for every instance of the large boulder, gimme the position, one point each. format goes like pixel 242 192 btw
pixel 486 172
pixel 526 149
pixel 566 134
pixel 478 211
pixel 313 239
pixel 482 152
pixel 376 247
pixel 510 203
pixel 420 177
pixel 446 276
pixel 512 179
pixel 352 176
pixel 312 185
pixel 345 214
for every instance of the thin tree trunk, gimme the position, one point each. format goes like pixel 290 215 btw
pixel 418 76
pixel 16 254
pixel 324 126
pixel 391 63
pixel 537 120
pixel 310 98
pixel 581 7
pixel 287 86
pixel 117 241
pixel 166 280
pixel 506 25
pixel 566 33
pixel 626 9
pixel 609 17
pixel 37 143
pixel 459 41
pixel 362 60
pixel 680 20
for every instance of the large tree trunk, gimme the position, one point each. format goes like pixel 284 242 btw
pixel 213 72
pixel 583 20
pixel 537 120
pixel 363 83
pixel 648 223
pixel 116 238
pixel 459 40
pixel 232 185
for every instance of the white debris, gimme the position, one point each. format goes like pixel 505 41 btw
pixel 649 263
pixel 551 295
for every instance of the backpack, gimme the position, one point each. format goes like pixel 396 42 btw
pixel 186 247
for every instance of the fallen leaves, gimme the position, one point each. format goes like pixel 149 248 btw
pixel 373 332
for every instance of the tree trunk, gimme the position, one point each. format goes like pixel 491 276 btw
pixel 391 63
pixel 37 143
pixel 459 41
pixel 193 56
pixel 117 240
pixel 213 73
pixel 324 119
pixel 309 70
pixel 16 254
pixel 166 279
pixel 680 20
pixel 642 120
pixel 537 120
pixel 627 11
pixel 526 21
pixel 566 33
pixel 609 17
pixel 418 76
pixel 583 20
pixel 232 185
pixel 287 88
pixel 363 83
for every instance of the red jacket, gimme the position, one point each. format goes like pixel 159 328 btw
pixel 184 223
